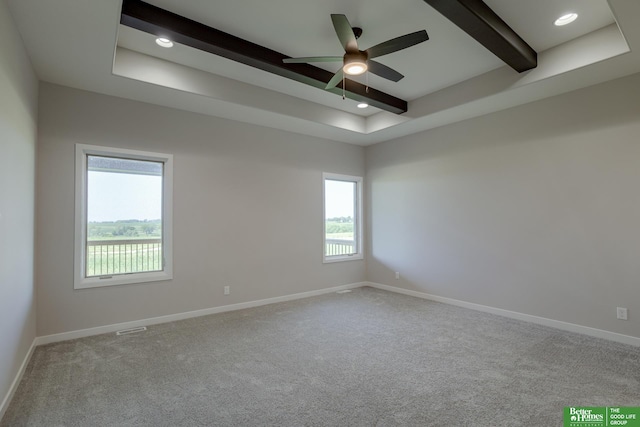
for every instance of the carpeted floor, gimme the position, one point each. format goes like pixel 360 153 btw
pixel 365 358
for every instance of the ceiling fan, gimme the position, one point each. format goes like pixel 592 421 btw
pixel 356 61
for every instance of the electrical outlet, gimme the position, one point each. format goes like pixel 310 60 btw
pixel 622 313
pixel 227 290
pixel 397 275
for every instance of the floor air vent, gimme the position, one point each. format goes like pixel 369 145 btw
pixel 132 330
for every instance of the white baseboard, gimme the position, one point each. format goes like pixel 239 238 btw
pixel 565 326
pixel 64 336
pixel 16 381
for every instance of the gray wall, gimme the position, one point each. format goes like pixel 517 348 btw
pixel 535 209
pixel 247 209
pixel 18 110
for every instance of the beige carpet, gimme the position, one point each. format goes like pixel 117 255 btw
pixel 365 358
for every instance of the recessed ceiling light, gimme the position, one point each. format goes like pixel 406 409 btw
pixel 566 19
pixel 363 105
pixel 164 42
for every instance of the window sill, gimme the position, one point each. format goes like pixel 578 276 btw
pixel 341 258
pixel 121 279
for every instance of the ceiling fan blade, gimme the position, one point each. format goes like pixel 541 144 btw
pixel 345 33
pixel 397 44
pixel 335 79
pixel 384 71
pixel 312 59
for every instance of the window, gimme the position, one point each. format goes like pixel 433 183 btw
pixel 123 217
pixel 342 217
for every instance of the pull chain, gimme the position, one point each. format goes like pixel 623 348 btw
pixel 343 84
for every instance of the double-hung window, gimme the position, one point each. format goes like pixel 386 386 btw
pixel 123 216
pixel 342 197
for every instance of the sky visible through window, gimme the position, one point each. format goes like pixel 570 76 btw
pixel 123 196
pixel 339 198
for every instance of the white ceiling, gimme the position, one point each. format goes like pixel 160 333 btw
pixel 451 77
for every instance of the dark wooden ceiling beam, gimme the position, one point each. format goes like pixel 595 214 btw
pixel 162 23
pixel 483 24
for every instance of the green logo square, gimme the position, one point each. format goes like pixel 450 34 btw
pixel 595 416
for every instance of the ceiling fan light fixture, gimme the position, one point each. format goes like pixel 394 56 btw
pixel 164 42
pixel 355 63
pixel 355 68
pixel 362 105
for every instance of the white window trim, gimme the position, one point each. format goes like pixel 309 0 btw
pixel 82 282
pixel 358 218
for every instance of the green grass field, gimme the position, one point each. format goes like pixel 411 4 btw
pixel 113 256
pixel 121 258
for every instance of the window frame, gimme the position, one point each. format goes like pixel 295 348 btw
pixel 358 226
pixel 81 196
